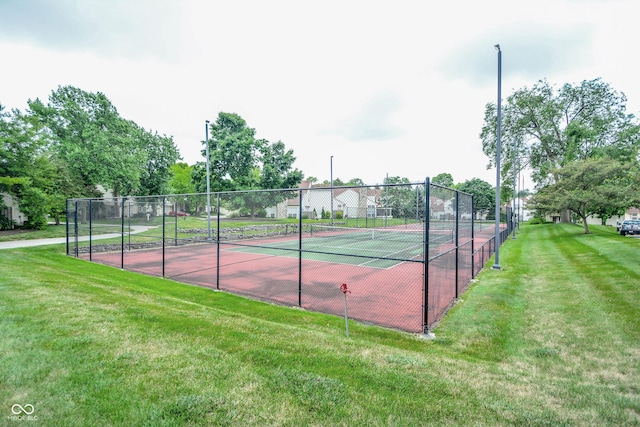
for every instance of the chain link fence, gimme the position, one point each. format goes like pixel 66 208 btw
pixel 406 252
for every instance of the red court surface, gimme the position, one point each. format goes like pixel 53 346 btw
pixel 391 297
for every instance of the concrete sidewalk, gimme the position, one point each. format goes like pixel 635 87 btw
pixel 57 240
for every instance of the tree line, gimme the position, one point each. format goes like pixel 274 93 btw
pixel 70 146
pixel 578 141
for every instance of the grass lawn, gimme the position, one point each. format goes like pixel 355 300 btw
pixel 552 339
pixel 50 231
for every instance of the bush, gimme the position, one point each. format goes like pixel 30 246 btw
pixel 33 204
pixel 536 220
pixel 6 223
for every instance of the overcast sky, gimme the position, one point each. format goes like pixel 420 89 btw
pixel 386 87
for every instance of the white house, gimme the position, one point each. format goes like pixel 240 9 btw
pixel 357 202
pixel 11 210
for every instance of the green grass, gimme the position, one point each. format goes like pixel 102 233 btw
pixel 50 231
pixel 552 339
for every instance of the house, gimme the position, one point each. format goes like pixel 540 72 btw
pixel 357 202
pixel 10 209
pixel 631 213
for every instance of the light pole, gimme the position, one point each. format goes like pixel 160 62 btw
pixel 331 185
pixel 206 132
pixel 513 210
pixel 496 265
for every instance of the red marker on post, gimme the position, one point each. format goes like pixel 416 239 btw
pixel 344 290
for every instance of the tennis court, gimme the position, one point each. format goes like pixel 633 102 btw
pixel 403 272
pixel 365 247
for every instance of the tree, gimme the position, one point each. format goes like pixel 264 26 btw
pixel 484 195
pixel 161 155
pixel 180 182
pixel 239 161
pixel 553 127
pixel 443 179
pixel 592 186
pixel 101 148
pixel 232 153
pixel 355 182
pixel 28 163
pixel 400 197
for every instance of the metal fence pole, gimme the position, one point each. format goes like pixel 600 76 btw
pixel 164 201
pixel 300 249
pixel 473 232
pixel 217 243
pixel 90 231
pixel 425 267
pixel 75 226
pixel 66 222
pixel 457 237
pixel 122 235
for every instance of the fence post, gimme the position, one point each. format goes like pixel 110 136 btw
pixel 75 225
pixel 425 267
pixel 122 234
pixel 90 231
pixel 66 222
pixel 473 234
pixel 300 248
pixel 164 201
pixel 217 241
pixel 457 230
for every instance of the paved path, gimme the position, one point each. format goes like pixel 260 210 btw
pixel 57 240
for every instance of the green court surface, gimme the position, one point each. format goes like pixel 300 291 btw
pixel 366 248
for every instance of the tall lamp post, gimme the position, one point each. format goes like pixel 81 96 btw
pixel 496 266
pixel 206 132
pixel 513 210
pixel 331 185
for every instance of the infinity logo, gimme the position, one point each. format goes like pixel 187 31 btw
pixel 26 409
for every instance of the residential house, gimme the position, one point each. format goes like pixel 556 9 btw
pixel 11 210
pixel 358 202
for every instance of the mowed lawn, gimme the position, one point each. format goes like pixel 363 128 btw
pixel 552 339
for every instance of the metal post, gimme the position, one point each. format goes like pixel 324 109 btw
pixel 206 130
pixel 473 232
pixel 90 232
pixel 386 202
pixel 129 221
pixel 77 231
pixel 300 249
pixel 218 245
pixel 122 237
pixel 457 240
pixel 331 186
pixel 513 214
pixel 425 267
pixel 164 202
pixel 496 265
pixel 66 223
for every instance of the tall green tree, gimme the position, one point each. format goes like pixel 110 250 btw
pixel 26 163
pixel 400 197
pixel 594 186
pixel 233 153
pixel 239 161
pixel 443 179
pixel 484 195
pixel 553 127
pixel 161 155
pixel 102 148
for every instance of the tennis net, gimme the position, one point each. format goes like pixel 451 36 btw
pixel 366 234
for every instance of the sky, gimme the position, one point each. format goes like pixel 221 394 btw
pixel 395 88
